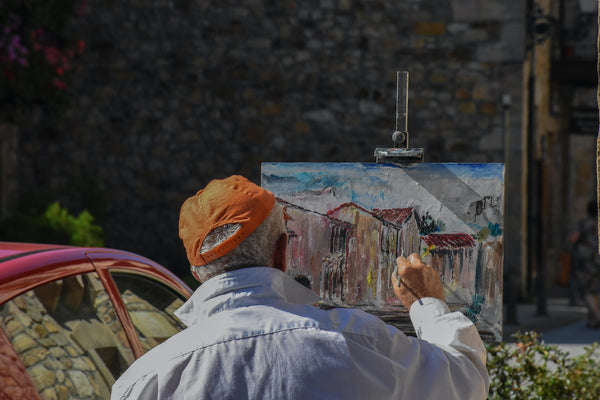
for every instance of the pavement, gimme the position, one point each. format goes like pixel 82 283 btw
pixel 563 325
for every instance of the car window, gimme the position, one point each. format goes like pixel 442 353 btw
pixel 68 337
pixel 151 305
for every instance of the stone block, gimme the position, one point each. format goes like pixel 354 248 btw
pixel 60 376
pixel 492 141
pixel 92 334
pixel 371 108
pixel 459 146
pixel 439 79
pixel 429 28
pixel 467 107
pixel 81 363
pixel 509 47
pixel 52 364
pixel 62 392
pixel 393 43
pixel 41 376
pixel 153 325
pixel 419 103
pixel 23 342
pixel 81 383
pixel 39 330
pixel 457 28
pixel 301 127
pixel 67 364
pixel 34 356
pixel 477 10
pixel 12 327
pixel 488 108
pixel 345 5
pixel 255 134
pixel 462 94
pixel 481 91
pixel 321 116
pixel 271 110
pixel 49 394
pixel 72 351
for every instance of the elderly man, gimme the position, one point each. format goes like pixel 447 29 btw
pixel 254 333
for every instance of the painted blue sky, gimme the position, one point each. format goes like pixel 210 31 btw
pixel 449 192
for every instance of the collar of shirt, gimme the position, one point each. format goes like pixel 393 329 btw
pixel 243 287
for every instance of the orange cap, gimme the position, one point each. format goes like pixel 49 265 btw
pixel 234 200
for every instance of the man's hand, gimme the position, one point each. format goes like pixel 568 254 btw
pixel 417 279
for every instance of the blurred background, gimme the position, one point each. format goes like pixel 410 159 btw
pixel 114 112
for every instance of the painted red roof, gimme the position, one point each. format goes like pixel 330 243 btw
pixel 396 216
pixel 449 240
pixel 347 205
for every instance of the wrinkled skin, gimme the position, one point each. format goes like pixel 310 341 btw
pixel 417 280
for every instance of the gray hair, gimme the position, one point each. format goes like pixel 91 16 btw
pixel 256 250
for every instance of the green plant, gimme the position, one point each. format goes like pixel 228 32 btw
pixel 54 225
pixel 81 229
pixel 532 369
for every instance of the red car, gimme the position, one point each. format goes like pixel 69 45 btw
pixel 73 319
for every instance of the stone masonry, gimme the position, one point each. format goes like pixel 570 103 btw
pixel 173 93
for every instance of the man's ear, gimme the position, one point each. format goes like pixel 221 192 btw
pixel 280 252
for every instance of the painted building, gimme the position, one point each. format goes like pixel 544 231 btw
pixel 377 239
pixel 471 272
pixel 317 249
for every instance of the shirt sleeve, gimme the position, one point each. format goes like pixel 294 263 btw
pixel 457 336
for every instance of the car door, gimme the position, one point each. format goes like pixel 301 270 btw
pixel 67 337
pixel 75 333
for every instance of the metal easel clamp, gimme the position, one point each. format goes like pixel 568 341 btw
pixel 400 153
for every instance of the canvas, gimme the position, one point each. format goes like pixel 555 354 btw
pixel 350 221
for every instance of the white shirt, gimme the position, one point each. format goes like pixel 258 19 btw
pixel 255 334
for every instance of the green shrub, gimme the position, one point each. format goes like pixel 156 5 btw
pixel 81 229
pixel 532 369
pixel 55 225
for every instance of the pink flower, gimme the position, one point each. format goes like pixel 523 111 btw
pixel 59 84
pixel 52 54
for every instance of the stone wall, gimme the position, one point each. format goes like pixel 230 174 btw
pixel 173 93
pixel 58 366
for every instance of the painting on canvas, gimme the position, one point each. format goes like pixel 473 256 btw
pixel 350 221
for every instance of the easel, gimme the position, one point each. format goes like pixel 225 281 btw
pixel 400 153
